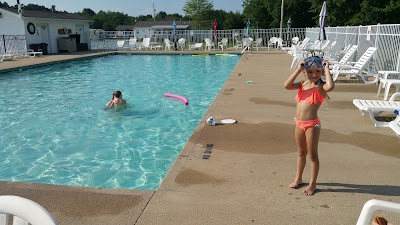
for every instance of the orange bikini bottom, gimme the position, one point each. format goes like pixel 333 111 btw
pixel 304 125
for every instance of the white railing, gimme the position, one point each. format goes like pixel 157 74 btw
pixel 386 38
pixel 193 36
pixel 15 44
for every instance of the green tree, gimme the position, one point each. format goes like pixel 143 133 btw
pixel 4 5
pixel 110 20
pixel 86 12
pixel 195 9
pixel 162 16
pixel 234 21
pixel 36 7
pixel 219 15
pixel 257 12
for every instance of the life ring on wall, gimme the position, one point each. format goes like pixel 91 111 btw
pixel 31 28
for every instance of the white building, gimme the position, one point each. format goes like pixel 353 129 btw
pixel 151 28
pixel 38 27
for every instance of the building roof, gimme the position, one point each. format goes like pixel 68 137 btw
pixel 124 27
pixel 48 15
pixel 163 24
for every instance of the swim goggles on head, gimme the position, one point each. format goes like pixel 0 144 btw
pixel 318 61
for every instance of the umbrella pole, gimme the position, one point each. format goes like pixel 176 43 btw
pixel 4 43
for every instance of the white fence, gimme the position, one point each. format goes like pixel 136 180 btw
pixel 15 44
pixel 385 37
pixel 108 39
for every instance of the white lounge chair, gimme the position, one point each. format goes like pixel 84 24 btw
pixel 23 211
pixel 303 43
pixel 168 44
pixel 132 43
pixel 145 44
pixel 6 56
pixel 346 58
pixel 395 125
pixel 196 46
pixel 357 70
pixel 223 43
pixel 121 45
pixel 31 53
pixel 376 107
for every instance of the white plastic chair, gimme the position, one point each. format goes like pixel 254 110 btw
pixel 168 44
pixel 23 212
pixel 395 125
pixel 181 43
pixel 295 40
pixel 223 43
pixel 258 43
pixel 209 44
pixel 272 42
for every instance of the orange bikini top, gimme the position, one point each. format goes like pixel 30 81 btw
pixel 310 96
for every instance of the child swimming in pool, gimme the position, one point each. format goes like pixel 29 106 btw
pixel 312 93
pixel 116 100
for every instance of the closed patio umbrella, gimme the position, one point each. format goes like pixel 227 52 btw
pixel 174 27
pixel 322 22
pixel 248 27
pixel 215 29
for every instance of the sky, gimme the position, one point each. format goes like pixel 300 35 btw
pixel 130 7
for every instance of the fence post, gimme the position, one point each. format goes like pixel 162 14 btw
pixel 358 35
pixel 377 35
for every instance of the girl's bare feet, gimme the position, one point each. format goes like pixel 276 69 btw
pixel 310 189
pixel 296 183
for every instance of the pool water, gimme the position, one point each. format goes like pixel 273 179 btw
pixel 54 128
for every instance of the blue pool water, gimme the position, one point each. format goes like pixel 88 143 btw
pixel 54 129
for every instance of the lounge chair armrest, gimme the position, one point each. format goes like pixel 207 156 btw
pixel 342 66
pixel 393 97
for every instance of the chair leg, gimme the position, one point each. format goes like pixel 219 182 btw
pixel 387 88
pixel 379 88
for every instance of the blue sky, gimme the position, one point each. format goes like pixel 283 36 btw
pixel 130 7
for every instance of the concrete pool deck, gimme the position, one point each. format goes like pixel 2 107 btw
pixel 239 173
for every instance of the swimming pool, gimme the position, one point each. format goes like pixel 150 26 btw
pixel 54 129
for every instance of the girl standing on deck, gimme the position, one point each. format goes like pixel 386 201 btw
pixel 312 93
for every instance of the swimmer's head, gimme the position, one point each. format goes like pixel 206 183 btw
pixel 117 94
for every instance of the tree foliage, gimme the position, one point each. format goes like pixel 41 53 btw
pixel 305 13
pixel 197 9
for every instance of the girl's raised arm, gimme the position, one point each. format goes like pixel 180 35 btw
pixel 289 83
pixel 329 85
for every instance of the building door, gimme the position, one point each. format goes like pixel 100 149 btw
pixel 45 36
pixel 80 30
